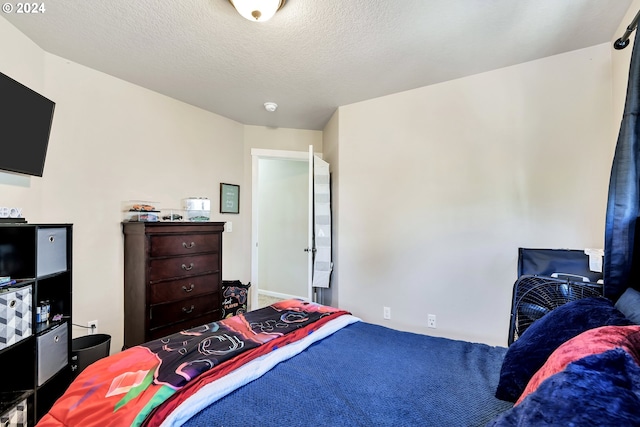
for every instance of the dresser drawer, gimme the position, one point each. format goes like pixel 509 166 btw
pixel 190 308
pixel 154 334
pixel 168 268
pixel 183 288
pixel 183 244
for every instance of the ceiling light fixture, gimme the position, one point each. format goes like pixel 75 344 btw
pixel 257 10
pixel 270 106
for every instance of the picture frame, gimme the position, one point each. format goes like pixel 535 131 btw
pixel 229 198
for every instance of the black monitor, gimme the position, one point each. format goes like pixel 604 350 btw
pixel 25 125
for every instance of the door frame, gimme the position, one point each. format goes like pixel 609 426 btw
pixel 256 155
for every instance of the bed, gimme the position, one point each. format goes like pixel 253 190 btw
pixel 300 363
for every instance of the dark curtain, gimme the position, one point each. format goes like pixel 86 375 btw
pixel 623 205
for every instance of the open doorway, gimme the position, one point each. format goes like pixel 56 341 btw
pixel 280 220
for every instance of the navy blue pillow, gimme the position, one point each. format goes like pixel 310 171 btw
pixel 629 305
pixel 598 390
pixel 526 355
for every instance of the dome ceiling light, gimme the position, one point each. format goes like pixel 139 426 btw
pixel 257 10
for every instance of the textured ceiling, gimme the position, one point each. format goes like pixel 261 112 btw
pixel 314 55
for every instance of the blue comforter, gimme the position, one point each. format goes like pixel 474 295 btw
pixel 369 375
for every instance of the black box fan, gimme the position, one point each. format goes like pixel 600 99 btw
pixel 535 296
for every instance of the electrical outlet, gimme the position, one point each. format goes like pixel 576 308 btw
pixel 431 320
pixel 93 326
pixel 386 312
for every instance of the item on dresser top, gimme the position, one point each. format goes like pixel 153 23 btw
pixel 197 208
pixel 172 215
pixel 141 211
pixel 142 207
pixel 143 216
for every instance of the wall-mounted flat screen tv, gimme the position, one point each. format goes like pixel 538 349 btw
pixel 25 125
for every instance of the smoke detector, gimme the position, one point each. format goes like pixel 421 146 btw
pixel 270 106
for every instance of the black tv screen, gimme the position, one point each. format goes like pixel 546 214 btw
pixel 25 125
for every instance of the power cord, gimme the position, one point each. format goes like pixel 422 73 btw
pixel 92 327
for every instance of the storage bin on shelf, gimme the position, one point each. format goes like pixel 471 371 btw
pixel 52 352
pixel 16 415
pixel 15 315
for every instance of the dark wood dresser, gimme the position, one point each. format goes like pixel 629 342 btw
pixel 172 277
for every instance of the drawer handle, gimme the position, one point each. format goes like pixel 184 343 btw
pixel 188 246
pixel 184 288
pixel 184 267
pixel 56 338
pixel 188 310
pixel 52 239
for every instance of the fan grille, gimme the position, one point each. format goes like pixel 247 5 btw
pixel 535 296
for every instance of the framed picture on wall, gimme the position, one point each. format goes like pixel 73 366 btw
pixel 229 198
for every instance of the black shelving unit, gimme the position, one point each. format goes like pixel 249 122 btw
pixel 36 360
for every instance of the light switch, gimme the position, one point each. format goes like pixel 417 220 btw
pixel 228 226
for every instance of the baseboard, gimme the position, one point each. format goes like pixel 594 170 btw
pixel 276 294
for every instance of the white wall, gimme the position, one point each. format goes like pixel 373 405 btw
pixel 439 186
